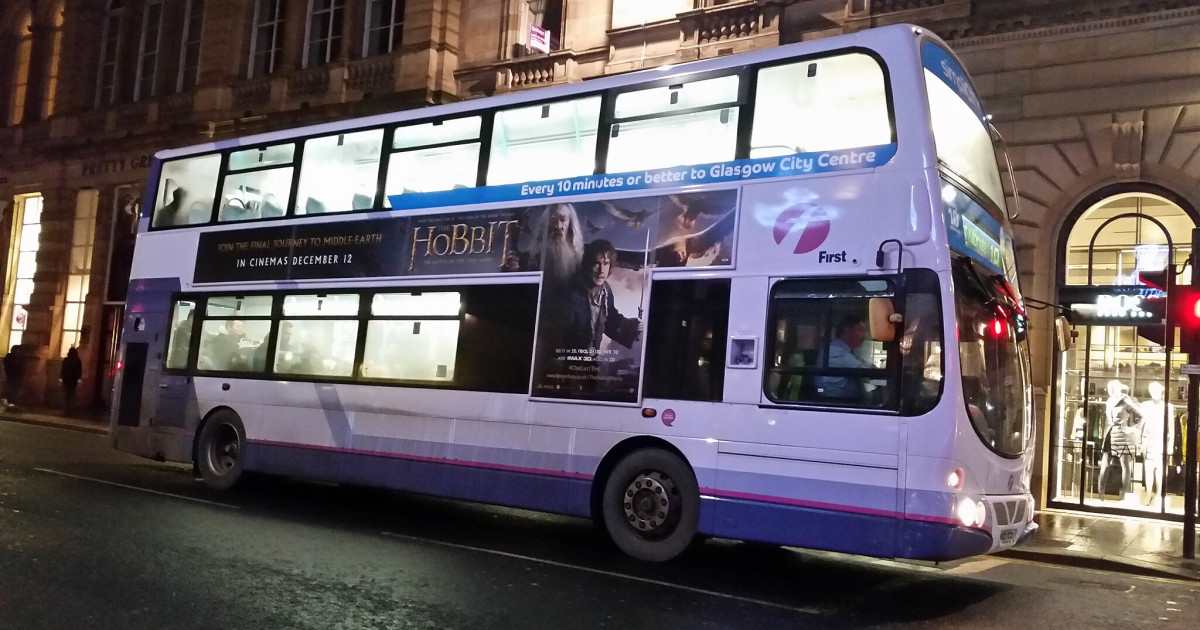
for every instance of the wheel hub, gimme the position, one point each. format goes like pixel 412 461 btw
pixel 647 501
pixel 225 450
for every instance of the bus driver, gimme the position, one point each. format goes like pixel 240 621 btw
pixel 843 353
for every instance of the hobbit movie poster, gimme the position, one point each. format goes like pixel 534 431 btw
pixel 595 259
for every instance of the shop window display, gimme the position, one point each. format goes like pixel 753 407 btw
pixel 1120 397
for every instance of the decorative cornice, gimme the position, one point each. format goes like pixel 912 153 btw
pixel 1189 15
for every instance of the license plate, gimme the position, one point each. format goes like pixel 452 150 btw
pixel 1008 536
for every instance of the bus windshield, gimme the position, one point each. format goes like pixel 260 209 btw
pixel 991 348
pixel 960 134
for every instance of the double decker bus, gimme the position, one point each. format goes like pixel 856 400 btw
pixel 770 296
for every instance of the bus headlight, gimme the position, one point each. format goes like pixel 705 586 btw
pixel 971 513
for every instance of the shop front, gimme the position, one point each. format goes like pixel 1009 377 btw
pixel 1119 398
pixel 70 226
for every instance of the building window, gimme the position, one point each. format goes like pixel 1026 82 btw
pixel 385 26
pixel 55 56
pixel 267 44
pixel 21 73
pixel 640 12
pixel 189 53
pixel 148 51
pixel 541 27
pixel 83 240
pixel 106 86
pixel 29 228
pixel 323 42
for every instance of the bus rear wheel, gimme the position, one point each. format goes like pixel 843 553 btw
pixel 219 450
pixel 651 505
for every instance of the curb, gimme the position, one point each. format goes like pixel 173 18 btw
pixel 97 429
pixel 1109 564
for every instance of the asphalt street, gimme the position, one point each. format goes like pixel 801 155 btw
pixel 94 538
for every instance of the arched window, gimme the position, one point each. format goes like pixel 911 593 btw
pixel 1122 354
pixel 16 111
pixel 55 55
pixel 1127 245
pixel 106 86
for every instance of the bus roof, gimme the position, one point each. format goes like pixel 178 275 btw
pixel 872 39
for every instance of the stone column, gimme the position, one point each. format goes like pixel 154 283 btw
pixel 294 27
pixel 352 30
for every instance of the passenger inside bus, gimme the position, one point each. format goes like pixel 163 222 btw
pixel 292 355
pixel 229 349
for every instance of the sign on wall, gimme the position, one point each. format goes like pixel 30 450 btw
pixel 539 39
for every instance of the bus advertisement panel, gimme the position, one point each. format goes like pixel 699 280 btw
pixel 680 230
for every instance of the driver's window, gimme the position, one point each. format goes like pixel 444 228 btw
pixel 821 351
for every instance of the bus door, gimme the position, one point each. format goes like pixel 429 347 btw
pixel 142 382
pixel 129 400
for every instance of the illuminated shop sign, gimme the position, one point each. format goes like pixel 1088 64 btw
pixel 1115 306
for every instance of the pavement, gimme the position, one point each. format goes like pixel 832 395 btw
pixel 1138 546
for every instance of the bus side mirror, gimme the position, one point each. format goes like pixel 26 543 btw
pixel 883 317
pixel 1063 340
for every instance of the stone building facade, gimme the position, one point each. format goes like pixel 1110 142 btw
pixel 1098 102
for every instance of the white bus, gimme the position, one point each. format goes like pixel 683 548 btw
pixel 768 296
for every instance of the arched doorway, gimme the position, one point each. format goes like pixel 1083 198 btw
pixel 1119 399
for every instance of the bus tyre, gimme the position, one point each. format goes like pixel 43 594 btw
pixel 220 449
pixel 651 505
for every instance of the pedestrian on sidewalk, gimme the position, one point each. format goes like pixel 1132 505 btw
pixel 70 373
pixel 14 374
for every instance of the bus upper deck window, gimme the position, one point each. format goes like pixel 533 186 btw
pixel 339 173
pixel 186 191
pixel 440 155
pixel 671 125
pixel 826 104
pixel 547 141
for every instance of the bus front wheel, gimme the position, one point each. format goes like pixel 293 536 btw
pixel 219 450
pixel 651 505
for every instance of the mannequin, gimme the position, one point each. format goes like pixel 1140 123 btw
pixel 1122 434
pixel 1155 414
